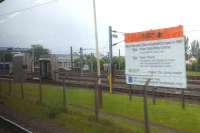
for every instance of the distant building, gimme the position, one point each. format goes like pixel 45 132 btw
pixel 14 50
pixel 64 61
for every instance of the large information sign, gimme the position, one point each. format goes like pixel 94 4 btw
pixel 158 55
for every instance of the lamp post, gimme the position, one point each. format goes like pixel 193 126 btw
pixel 97 90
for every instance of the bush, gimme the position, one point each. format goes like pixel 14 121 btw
pixel 196 67
pixel 52 111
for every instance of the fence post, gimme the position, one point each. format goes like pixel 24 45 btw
pixel 130 92
pixel 96 101
pixel 22 89
pixel 10 86
pixel 183 99
pixel 154 95
pixel 64 95
pixel 40 90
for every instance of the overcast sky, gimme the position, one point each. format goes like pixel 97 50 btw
pixel 64 23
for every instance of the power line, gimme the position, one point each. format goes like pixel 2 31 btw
pixel 192 25
pixel 28 8
pixel 192 31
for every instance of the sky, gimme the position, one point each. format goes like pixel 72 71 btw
pixel 59 24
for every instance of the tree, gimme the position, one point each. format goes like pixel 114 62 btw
pixel 195 50
pixel 6 56
pixel 38 51
pixel 89 59
pixel 187 47
pixel 119 62
pixel 104 60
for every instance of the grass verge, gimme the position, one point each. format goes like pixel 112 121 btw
pixel 164 113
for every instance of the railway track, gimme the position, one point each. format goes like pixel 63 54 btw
pixel 8 126
pixel 119 86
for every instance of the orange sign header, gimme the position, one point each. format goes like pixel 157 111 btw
pixel 166 33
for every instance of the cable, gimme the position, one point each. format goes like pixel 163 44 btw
pixel 28 8
pixel 192 31
pixel 192 25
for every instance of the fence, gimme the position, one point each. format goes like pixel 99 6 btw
pixel 62 97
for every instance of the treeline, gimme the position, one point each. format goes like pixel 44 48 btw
pixel 192 54
pixel 90 60
pixel 36 50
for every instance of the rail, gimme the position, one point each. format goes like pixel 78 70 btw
pixel 12 126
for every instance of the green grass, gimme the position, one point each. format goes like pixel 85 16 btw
pixel 74 120
pixel 193 73
pixel 165 113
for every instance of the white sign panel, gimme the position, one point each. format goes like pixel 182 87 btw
pixel 163 61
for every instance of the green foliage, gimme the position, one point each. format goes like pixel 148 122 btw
pixel 119 62
pixel 104 60
pixel 89 59
pixel 6 56
pixel 193 73
pixel 53 110
pixel 195 49
pixel 195 67
pixel 38 51
pixel 187 48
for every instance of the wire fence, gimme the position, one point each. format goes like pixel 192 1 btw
pixel 61 97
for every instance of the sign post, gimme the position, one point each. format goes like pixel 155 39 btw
pixel 183 99
pixel 159 56
pixel 146 118
pixel 154 95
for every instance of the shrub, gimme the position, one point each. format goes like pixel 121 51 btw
pixel 52 111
